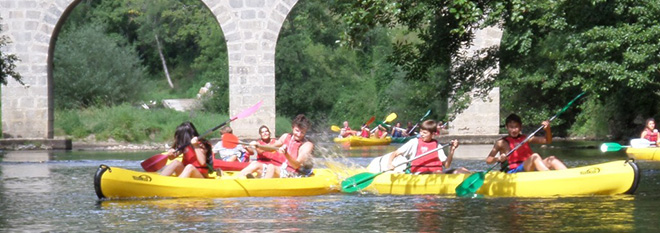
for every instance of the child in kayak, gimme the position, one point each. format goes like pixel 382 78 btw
pixel 237 153
pixel 297 150
pixel 650 133
pixel 436 162
pixel 523 159
pixel 263 157
pixel 195 155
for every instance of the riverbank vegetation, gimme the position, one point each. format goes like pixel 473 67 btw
pixel 352 59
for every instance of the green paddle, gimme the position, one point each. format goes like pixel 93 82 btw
pixel 634 143
pixel 420 120
pixel 362 180
pixel 611 146
pixel 470 185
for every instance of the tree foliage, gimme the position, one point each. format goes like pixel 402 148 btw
pixel 611 49
pixel 98 70
pixel 439 30
pixel 7 62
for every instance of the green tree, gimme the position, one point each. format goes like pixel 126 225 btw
pixel 437 31
pixel 96 70
pixel 611 49
pixel 7 62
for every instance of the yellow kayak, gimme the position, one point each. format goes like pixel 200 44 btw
pixel 114 182
pixel 618 177
pixel 360 141
pixel 648 153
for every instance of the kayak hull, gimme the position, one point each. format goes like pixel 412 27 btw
pixel 360 141
pixel 618 177
pixel 648 153
pixel 114 182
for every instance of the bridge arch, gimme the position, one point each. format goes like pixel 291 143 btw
pixel 251 29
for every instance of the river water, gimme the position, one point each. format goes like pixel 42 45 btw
pixel 53 191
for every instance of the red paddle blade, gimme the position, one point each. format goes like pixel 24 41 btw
pixel 248 111
pixel 229 141
pixel 371 120
pixel 154 163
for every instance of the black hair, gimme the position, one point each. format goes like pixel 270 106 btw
pixel 512 118
pixel 184 133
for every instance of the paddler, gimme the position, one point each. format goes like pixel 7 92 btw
pixel 263 157
pixel 195 155
pixel 297 150
pixel 523 159
pixel 650 133
pixel 436 162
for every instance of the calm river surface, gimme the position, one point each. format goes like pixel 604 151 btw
pixel 54 192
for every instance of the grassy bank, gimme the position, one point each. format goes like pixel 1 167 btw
pixel 125 123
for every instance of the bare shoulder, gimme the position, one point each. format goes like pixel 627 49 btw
pixel 308 145
pixel 500 145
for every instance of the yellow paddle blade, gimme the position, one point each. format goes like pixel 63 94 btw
pixel 335 128
pixel 390 117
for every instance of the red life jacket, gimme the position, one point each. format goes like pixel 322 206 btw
pixel 429 163
pixel 519 156
pixel 650 135
pixel 379 133
pixel 270 157
pixel 364 133
pixel 292 147
pixel 190 157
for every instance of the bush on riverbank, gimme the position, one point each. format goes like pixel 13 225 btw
pixel 126 123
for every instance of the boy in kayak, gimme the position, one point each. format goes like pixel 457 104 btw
pixel 523 159
pixel 237 153
pixel 297 150
pixel 650 133
pixel 436 162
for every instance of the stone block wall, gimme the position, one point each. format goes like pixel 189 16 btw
pixel 482 117
pixel 251 28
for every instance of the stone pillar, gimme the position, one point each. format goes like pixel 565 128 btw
pixel 481 117
pixel 251 28
pixel 27 110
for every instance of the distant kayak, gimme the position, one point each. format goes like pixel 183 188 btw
pixel 360 141
pixel 648 153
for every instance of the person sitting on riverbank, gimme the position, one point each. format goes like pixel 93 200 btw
pixel 436 162
pixel 523 159
pixel 237 153
pixel 346 131
pixel 297 150
pixel 263 157
pixel 650 133
pixel 195 154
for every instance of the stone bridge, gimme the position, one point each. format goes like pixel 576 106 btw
pixel 251 29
